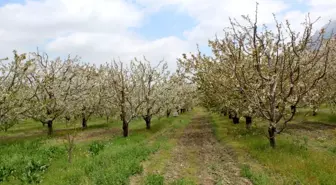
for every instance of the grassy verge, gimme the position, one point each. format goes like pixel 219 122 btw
pixel 110 161
pixel 295 160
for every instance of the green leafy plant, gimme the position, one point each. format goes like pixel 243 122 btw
pixel 96 147
pixel 33 172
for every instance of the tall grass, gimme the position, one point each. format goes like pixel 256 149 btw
pixel 112 161
pixel 26 162
pixel 293 161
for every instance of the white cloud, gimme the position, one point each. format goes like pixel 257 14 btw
pixel 322 2
pixel 98 30
pixel 213 15
pixel 102 47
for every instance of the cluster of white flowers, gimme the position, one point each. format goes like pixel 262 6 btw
pixel 275 72
pixel 45 90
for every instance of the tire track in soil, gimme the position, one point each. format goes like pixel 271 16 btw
pixel 200 156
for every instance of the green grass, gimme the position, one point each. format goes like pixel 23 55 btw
pixel 183 181
pixel 298 157
pixel 157 179
pixel 256 178
pixel 304 155
pixel 111 161
pixel 154 179
pixel 26 162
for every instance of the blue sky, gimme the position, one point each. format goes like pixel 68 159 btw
pixel 166 22
pixel 99 30
pixel 3 2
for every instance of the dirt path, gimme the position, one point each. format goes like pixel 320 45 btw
pixel 197 156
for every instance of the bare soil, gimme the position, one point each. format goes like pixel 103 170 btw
pixel 199 157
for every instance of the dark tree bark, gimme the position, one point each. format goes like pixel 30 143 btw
pixel 84 122
pixel 235 120
pixel 230 115
pixel 248 120
pixel 148 120
pixel 67 118
pixel 168 113
pixel 314 112
pixel 50 127
pixel 123 111
pixel 293 109
pixel 271 133
pixel 125 129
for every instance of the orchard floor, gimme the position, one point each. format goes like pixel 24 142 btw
pixel 195 157
pixel 194 148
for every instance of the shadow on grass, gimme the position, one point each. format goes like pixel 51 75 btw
pixel 311 126
pixel 42 133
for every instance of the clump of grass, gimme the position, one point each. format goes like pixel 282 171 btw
pixel 333 150
pixel 95 147
pixel 154 179
pixel 257 179
pixel 183 181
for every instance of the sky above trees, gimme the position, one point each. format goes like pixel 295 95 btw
pixel 100 30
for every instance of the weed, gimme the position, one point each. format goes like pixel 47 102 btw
pixel 32 172
pixel 95 147
pixel 257 179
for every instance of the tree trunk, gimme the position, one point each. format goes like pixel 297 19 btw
pixel 107 119
pixel 235 120
pixel 125 128
pixel 84 122
pixel 248 122
pixel 50 127
pixel 293 109
pixel 168 113
pixel 230 115
pixel 148 121
pixel 314 112
pixel 224 112
pixel 271 133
